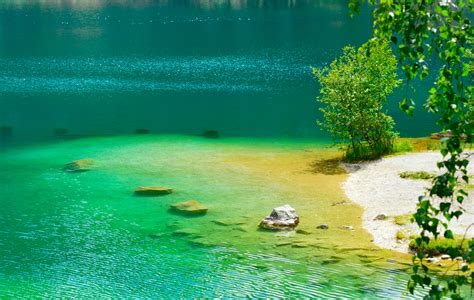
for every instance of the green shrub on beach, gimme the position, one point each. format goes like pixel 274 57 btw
pixel 354 89
pixel 402 146
pixel 455 247
pixel 417 175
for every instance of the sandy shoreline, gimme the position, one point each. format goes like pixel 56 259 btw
pixel 378 188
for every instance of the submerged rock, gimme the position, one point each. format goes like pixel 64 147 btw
pixel 347 227
pixel 80 165
pixel 191 207
pixel 380 217
pixel 211 134
pixel 228 222
pixel 6 131
pixel 142 131
pixel 153 190
pixel 154 236
pixel 340 203
pixel 322 226
pixel 61 132
pixel 283 217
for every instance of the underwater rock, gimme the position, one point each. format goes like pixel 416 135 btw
pixel 80 165
pixel 285 233
pixel 211 134
pixel 186 232
pixel 380 217
pixel 302 231
pixel 322 226
pixel 283 217
pixel 61 132
pixel 6 131
pixel 340 203
pixel 153 190
pixel 348 227
pixel 191 207
pixel 228 222
pixel 142 131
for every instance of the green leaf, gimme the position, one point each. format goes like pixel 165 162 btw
pixel 448 234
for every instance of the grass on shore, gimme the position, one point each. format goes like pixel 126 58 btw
pixel 455 247
pixel 417 175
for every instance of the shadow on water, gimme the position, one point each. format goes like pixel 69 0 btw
pixel 326 166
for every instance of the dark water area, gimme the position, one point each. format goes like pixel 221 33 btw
pixel 181 67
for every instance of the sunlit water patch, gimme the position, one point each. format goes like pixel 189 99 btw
pixel 222 74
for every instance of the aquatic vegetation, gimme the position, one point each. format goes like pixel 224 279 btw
pixel 353 92
pixel 417 175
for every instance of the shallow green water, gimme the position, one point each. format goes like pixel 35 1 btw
pixel 108 67
pixel 86 234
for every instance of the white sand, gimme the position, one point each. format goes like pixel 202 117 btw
pixel 378 188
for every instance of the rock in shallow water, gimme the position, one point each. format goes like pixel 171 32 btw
pixel 322 226
pixel 153 190
pixel 211 134
pixel 191 207
pixel 80 165
pixel 283 217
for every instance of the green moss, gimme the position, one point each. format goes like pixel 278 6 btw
pixel 417 175
pixel 400 235
pixel 402 219
pixel 456 246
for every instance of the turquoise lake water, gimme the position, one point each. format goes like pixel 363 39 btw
pixel 111 67
pixel 100 70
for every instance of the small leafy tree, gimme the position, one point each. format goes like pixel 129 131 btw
pixel 354 89
pixel 435 36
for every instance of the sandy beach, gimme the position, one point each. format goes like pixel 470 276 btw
pixel 379 189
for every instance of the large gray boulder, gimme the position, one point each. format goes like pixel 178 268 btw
pixel 281 218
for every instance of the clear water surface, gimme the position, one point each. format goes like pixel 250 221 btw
pixel 94 67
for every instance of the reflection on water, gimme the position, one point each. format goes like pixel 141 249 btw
pixel 201 4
